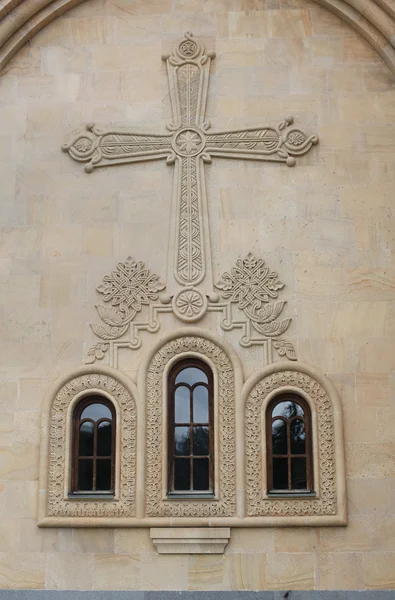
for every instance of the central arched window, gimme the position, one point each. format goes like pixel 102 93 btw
pixel 191 429
pixel 93 446
pixel 289 446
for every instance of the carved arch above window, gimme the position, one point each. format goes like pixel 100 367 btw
pixel 55 499
pixel 319 394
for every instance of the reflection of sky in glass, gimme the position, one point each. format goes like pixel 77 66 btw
pixel 182 404
pixel 181 441
pixel 191 375
pixel 279 437
pixel 287 409
pixel 200 404
pixel 96 412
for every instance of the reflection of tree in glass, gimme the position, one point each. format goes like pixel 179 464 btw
pixel 200 441
pixel 181 441
pixel 279 437
pixel 298 437
pixel 104 439
pixel 288 410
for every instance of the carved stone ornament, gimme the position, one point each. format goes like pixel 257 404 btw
pixel 60 423
pixel 156 505
pixel 189 145
pixel 257 503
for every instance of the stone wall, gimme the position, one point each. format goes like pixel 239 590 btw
pixel 326 226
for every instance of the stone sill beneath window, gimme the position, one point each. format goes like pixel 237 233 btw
pixel 291 494
pixel 190 540
pixel 91 496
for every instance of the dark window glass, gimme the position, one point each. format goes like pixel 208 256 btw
pixel 191 432
pixel 85 474
pixel 279 437
pixel 94 437
pixel 104 438
pixel 182 404
pixel 289 447
pixel 280 473
pixel 103 474
pixel 200 474
pixel 182 474
pixel 86 439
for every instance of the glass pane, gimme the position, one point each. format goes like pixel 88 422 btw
pixel 103 475
pixel 85 475
pixel 182 473
pixel 279 437
pixel 287 409
pixel 104 441
pixel 191 375
pixel 200 404
pixel 298 437
pixel 96 411
pixel 298 474
pixel 182 407
pixel 280 473
pixel 86 439
pixel 182 441
pixel 201 474
pixel 200 441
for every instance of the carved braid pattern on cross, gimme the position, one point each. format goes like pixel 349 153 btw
pixel 190 144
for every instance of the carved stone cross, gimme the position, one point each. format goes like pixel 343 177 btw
pixel 190 144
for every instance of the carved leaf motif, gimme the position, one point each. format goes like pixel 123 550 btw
pixel 106 332
pixel 267 314
pixel 111 316
pixel 96 353
pixel 272 329
pixel 285 348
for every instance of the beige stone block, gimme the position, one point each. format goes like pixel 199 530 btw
pixel 9 535
pixel 62 241
pixel 378 78
pixel 386 424
pixel 58 59
pixel 250 541
pixel 368 461
pixel 383 537
pixel 341 570
pixel 238 25
pixel 6 430
pixel 34 539
pixel 371 284
pixel 116 571
pixel 208 572
pixel 20 289
pixel 129 541
pixel 27 425
pixel 163 572
pixel 145 28
pixel 356 537
pixel 32 392
pixel 379 571
pixel 375 355
pixel 295 539
pixel 98 541
pixel 98 242
pixel 326 51
pixel 247 571
pixel 359 319
pixel 372 389
pixel 320 282
pixel 290 23
pixel 69 571
pixel 325 23
pixel 347 78
pixel 379 138
pixel 355 107
pixel 88 31
pixel 358 50
pixel 359 423
pixel 20 242
pixel 369 497
pixel 22 571
pixel 37 88
pixel 55 290
pixel 290 571
pixel 151 7
pixel 21 326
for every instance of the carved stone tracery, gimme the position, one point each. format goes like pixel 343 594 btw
pixel 257 503
pixel 225 506
pixel 58 506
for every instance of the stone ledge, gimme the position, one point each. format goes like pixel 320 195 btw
pixel 190 540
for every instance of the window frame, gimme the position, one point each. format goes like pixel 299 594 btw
pixel 78 409
pixel 307 418
pixel 179 366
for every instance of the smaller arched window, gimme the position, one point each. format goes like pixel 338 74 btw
pixel 191 429
pixel 289 445
pixel 93 446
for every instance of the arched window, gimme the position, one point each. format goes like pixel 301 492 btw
pixel 191 429
pixel 93 446
pixel 289 447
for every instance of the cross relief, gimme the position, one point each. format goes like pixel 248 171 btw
pixel 190 144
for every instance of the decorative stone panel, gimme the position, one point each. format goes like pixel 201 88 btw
pixel 224 505
pixel 123 503
pixel 328 453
